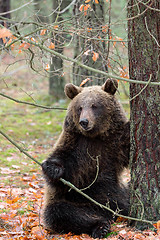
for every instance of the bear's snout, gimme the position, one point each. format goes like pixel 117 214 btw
pixel 84 123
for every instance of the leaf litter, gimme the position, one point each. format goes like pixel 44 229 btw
pixel 21 214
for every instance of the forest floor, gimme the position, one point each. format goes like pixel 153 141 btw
pixel 35 130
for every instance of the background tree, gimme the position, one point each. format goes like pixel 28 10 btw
pixel 5 8
pixel 30 44
pixel 56 79
pixel 93 24
pixel 41 11
pixel 143 48
pixel 4 13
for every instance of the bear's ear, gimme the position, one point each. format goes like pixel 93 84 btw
pixel 110 86
pixel 71 90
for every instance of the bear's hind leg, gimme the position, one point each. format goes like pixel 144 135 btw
pixel 65 217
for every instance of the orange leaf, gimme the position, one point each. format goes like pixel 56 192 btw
pixel 109 65
pixel 38 233
pixel 86 8
pixel 10 40
pixel 52 46
pixel 4 32
pixel 24 45
pixel 89 29
pixel 4 40
pixel 95 56
pixel 87 1
pixel 12 46
pixel 114 43
pixel 84 81
pixel 81 8
pixel 157 225
pixel 47 67
pixel 55 27
pixel 34 40
pixel 96 1
pixel 43 31
pixel 104 28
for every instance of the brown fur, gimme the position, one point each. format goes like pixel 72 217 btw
pixel 91 152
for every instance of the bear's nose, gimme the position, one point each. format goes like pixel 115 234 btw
pixel 84 122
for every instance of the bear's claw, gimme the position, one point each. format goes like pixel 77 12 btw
pixel 101 230
pixel 52 169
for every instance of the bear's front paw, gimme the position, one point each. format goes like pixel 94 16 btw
pixel 52 169
pixel 101 230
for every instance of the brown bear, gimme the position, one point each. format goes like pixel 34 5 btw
pixel 91 153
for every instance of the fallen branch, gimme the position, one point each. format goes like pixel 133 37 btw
pixel 70 185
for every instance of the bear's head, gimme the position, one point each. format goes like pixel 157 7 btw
pixel 94 110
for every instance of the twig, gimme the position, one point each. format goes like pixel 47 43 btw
pixel 31 104
pixel 97 166
pixel 101 205
pixel 41 46
pixel 151 33
pixel 65 9
pixel 87 67
pixel 20 148
pixel 154 9
pixel 139 14
pixel 14 10
pixel 70 185
pixel 141 89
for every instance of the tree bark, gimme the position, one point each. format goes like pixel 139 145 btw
pixel 143 49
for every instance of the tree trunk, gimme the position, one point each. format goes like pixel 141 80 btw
pixel 5 7
pixel 41 11
pixel 56 79
pixel 143 49
pixel 92 26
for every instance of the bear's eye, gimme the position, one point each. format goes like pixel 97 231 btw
pixel 94 106
pixel 80 109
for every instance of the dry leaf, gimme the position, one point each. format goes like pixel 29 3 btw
pixel 43 31
pixel 95 56
pixel 84 81
pixel 52 46
pixel 4 32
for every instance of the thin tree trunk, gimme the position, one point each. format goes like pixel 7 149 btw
pixel 41 12
pixel 5 7
pixel 92 24
pixel 143 49
pixel 56 79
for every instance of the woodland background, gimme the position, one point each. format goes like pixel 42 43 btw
pixel 85 35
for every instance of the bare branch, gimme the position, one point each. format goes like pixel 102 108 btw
pixel 14 10
pixel 31 104
pixel 142 89
pixel 151 33
pixel 89 68
pixel 20 148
